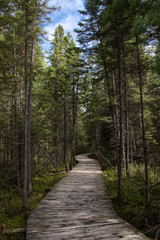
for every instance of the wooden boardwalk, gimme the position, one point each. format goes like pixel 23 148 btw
pixel 78 207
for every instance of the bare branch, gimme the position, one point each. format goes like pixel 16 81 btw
pixel 153 185
pixel 48 158
pixel 105 160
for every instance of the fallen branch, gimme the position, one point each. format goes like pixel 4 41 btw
pixel 155 229
pixel 49 160
pixel 16 230
pixel 6 232
pixel 105 160
pixel 55 173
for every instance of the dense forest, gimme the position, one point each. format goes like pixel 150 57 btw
pixel 101 96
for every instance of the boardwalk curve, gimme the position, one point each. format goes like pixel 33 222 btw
pixel 78 207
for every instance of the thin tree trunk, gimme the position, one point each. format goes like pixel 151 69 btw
pixel 109 95
pixel 73 123
pixel 12 131
pixel 143 125
pixel 126 113
pixel 96 138
pixel 29 117
pixel 116 109
pixel 16 117
pixel 123 144
pixel 65 128
pixel 56 125
pixel 118 153
pixel 95 126
pixel 131 147
pixel 120 121
pixel 4 155
pixel 17 146
pixel 26 111
pixel 8 139
pixel 29 179
pixel 109 92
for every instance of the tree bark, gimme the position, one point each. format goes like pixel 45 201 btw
pixel 26 110
pixel 116 109
pixel 143 125
pixel 65 128
pixel 56 124
pixel 111 106
pixel 16 145
pixel 120 120
pixel 73 122
pixel 29 117
pixel 126 113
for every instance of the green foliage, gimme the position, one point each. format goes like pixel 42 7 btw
pixel 45 181
pixel 132 207
pixel 11 212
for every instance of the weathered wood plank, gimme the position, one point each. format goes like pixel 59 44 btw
pixel 78 207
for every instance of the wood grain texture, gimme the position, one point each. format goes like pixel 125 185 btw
pixel 78 207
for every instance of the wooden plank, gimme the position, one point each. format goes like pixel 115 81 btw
pixel 78 207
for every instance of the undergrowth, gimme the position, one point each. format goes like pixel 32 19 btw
pixel 133 208
pixel 11 212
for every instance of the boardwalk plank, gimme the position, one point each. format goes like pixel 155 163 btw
pixel 78 207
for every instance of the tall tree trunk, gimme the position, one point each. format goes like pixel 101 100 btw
pixel 16 117
pixel 26 110
pixel 12 130
pixel 109 95
pixel 118 153
pixel 17 146
pixel 120 120
pixel 65 129
pixel 116 112
pixel 74 117
pixel 73 122
pixel 131 145
pixel 96 137
pixel 29 179
pixel 56 124
pixel 29 116
pixel 143 125
pixel 109 91
pixel 126 113
pixel 8 138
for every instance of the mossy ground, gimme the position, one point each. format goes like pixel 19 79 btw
pixel 133 208
pixel 11 212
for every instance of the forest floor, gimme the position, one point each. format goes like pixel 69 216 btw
pixel 11 212
pixel 132 207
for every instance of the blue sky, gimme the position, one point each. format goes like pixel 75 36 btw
pixel 68 16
